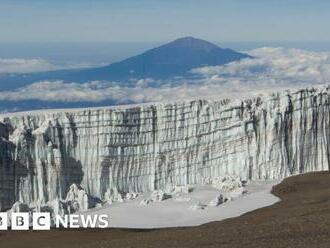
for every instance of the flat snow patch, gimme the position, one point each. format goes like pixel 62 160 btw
pixel 185 209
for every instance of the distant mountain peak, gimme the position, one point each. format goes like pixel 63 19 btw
pixel 190 42
pixel 173 59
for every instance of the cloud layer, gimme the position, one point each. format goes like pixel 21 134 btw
pixel 272 69
pixel 19 65
pixel 24 65
pixel 276 64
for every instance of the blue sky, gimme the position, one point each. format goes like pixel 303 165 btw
pixel 153 20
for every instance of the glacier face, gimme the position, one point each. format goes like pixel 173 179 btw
pixel 146 148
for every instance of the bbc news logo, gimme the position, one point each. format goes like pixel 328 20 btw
pixel 42 221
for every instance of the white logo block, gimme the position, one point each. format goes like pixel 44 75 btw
pixel 3 221
pixel 41 221
pixel 20 221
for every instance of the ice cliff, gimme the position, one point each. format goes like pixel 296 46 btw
pixel 146 148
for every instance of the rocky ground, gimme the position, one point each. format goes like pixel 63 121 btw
pixel 301 219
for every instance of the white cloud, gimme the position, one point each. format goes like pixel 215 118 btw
pixel 272 69
pixel 24 65
pixel 20 65
pixel 279 64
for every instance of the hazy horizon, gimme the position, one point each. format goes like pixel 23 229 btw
pixel 98 53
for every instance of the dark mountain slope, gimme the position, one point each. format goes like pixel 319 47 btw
pixel 176 58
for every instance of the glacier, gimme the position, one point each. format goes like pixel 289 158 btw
pixel 152 147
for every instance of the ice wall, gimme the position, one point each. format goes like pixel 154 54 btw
pixel 145 148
